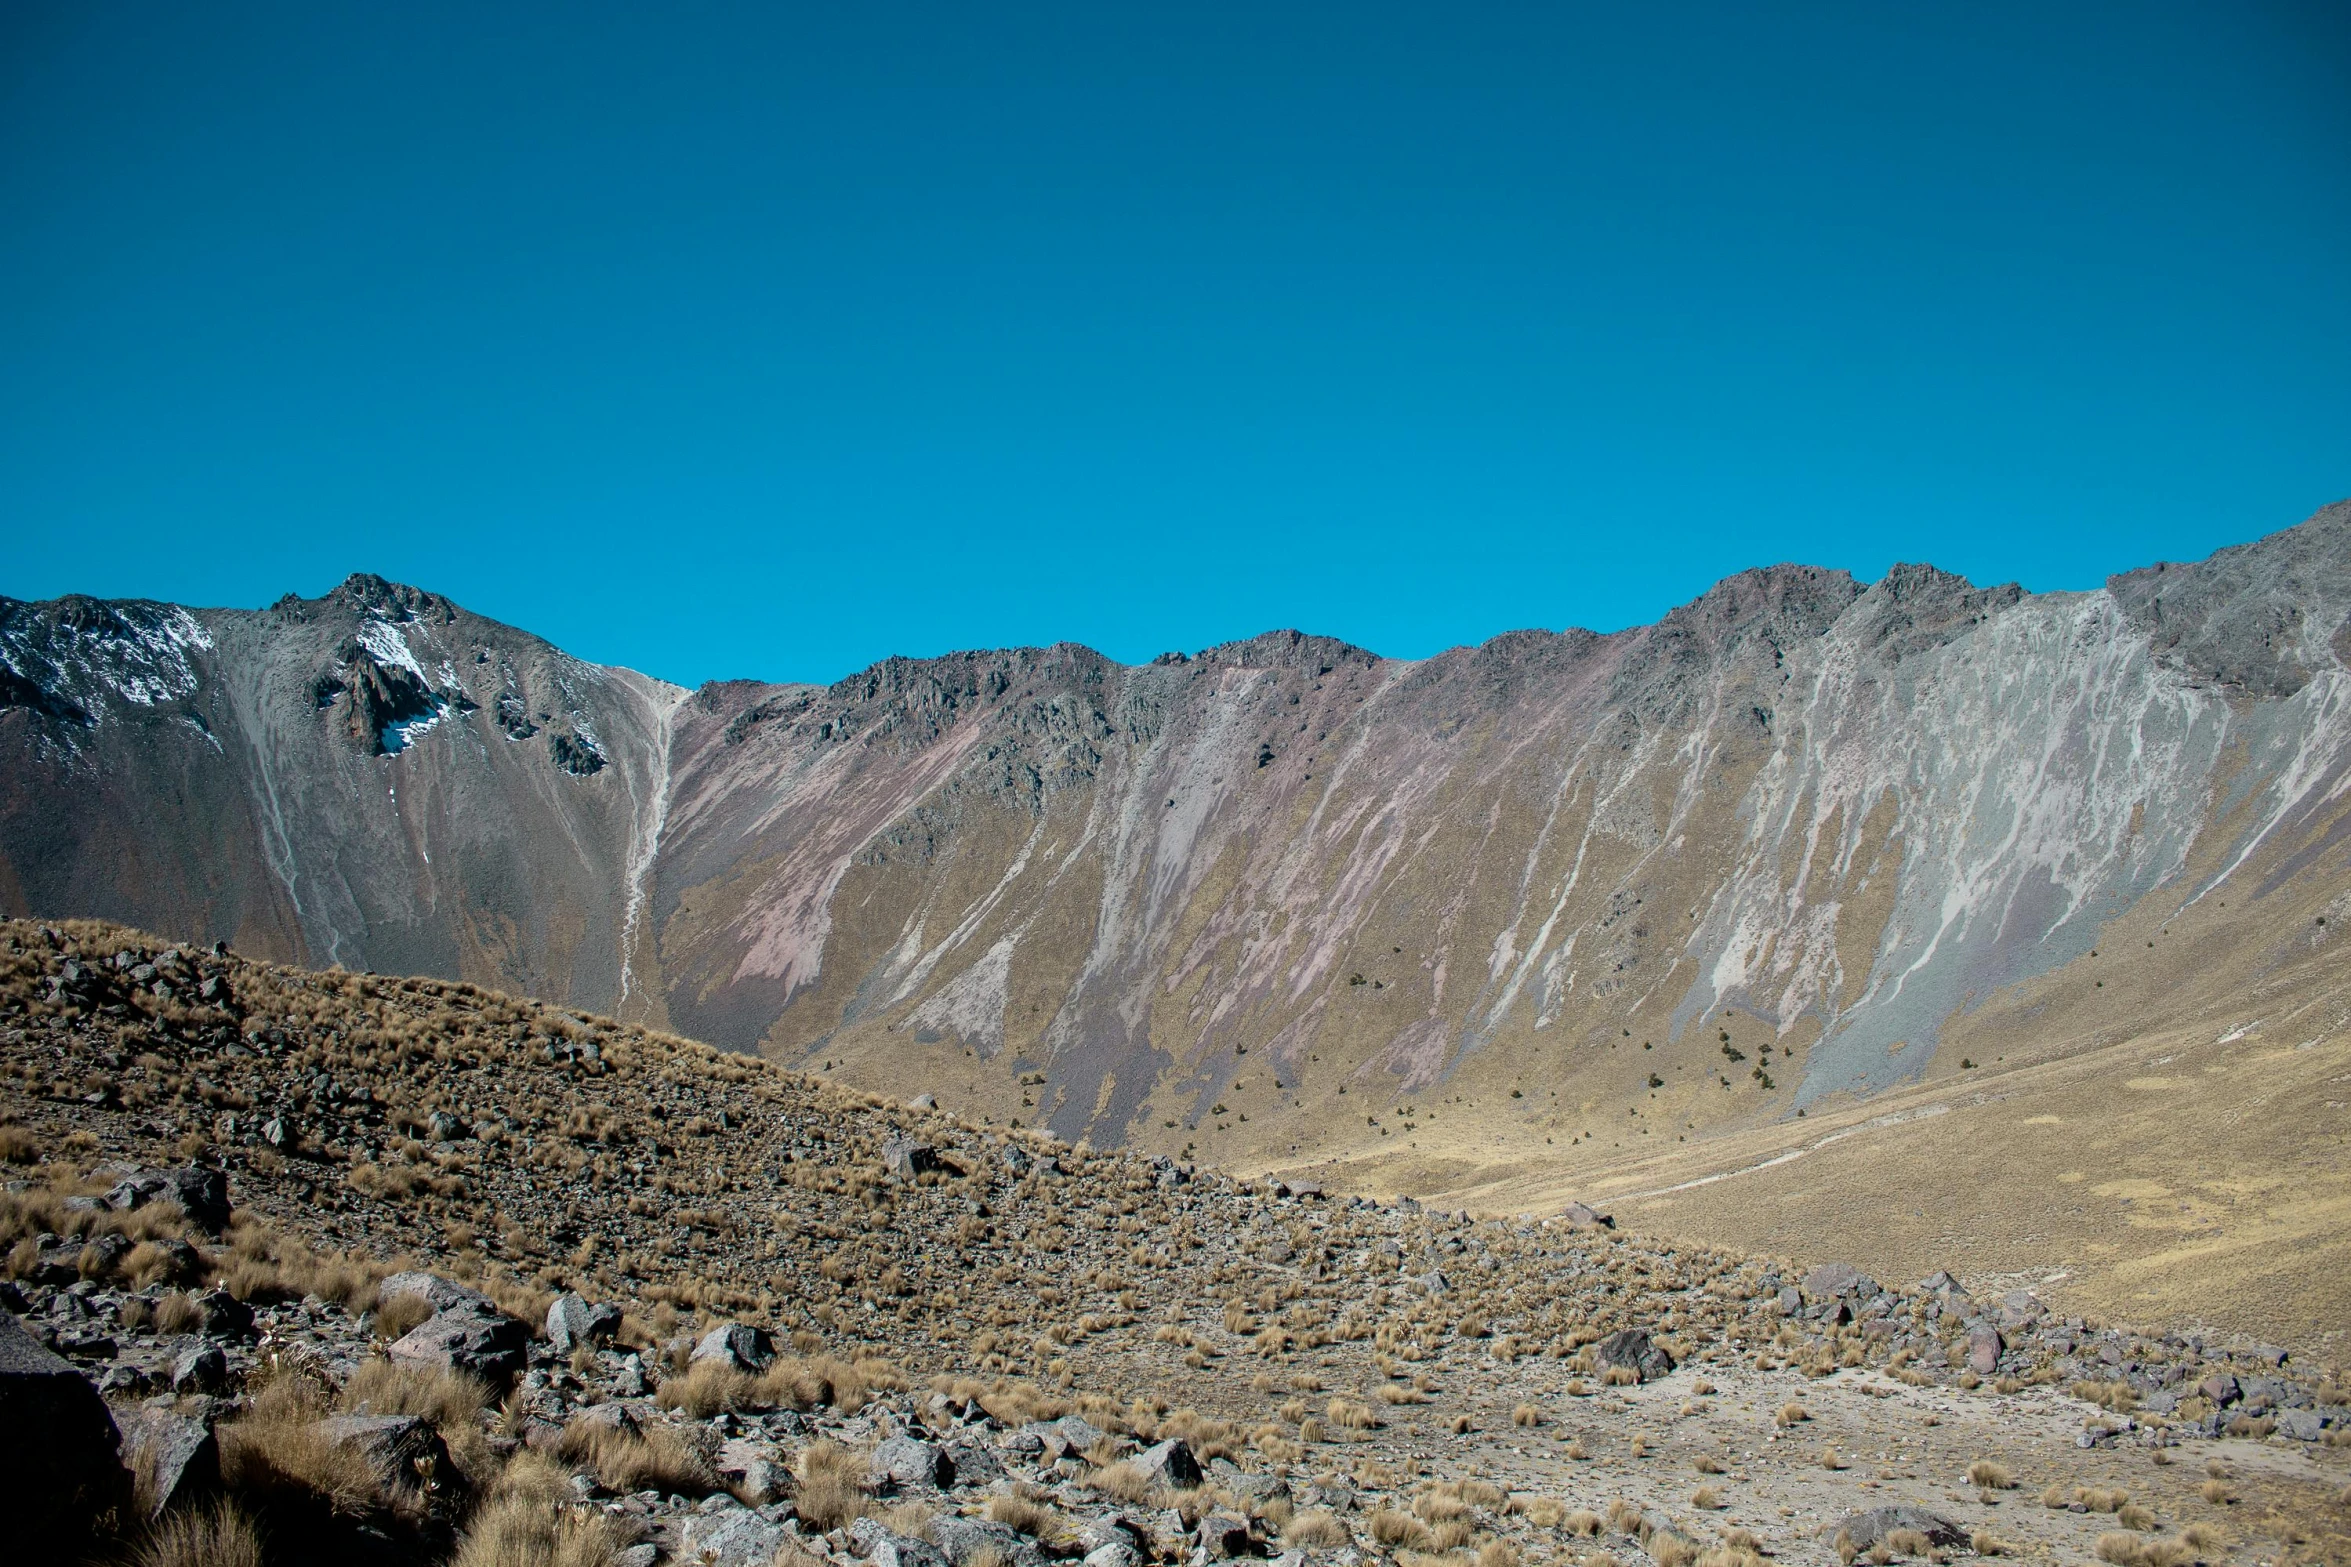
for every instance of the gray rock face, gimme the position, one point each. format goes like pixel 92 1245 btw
pixel 1170 1464
pixel 905 1159
pixel 730 1536
pixel 962 1539
pixel 738 1346
pixel 1837 1280
pixel 756 1469
pixel 572 1321
pixel 1631 1349
pixel 883 1548
pixel 200 1368
pixel 1582 1216
pixel 174 1460
pixel 1983 1350
pixel 439 1293
pixel 478 1343
pixel 909 1460
pixel 59 1451
pixel 203 1194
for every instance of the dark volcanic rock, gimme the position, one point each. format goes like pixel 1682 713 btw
pixel 60 1457
pixel 464 1338
pixel 1631 1349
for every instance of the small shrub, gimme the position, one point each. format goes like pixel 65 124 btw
pixel 1991 1476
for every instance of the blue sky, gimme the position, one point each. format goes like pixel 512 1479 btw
pixel 770 340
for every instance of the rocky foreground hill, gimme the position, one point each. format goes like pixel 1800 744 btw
pixel 322 1265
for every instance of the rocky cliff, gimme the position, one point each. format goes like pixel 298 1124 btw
pixel 1271 900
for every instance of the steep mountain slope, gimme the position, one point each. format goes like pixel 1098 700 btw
pixel 375 778
pixel 1283 902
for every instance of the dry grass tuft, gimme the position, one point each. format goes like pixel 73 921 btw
pixel 517 1532
pixel 1314 1529
pixel 279 1451
pixel 832 1485
pixel 396 1317
pixel 217 1536
pixel 1122 1480
pixel 1019 1513
pixel 655 1459
pixel 451 1400
pixel 1991 1476
pixel 1526 1415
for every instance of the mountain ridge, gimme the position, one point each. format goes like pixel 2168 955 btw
pixel 1266 900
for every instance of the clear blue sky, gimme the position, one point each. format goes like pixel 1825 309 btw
pixel 771 339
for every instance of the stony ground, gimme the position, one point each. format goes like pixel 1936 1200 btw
pixel 1358 1380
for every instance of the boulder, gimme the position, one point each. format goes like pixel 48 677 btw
pixel 885 1548
pixel 404 1452
pixel 730 1536
pixel 571 1321
pixel 1631 1349
pixel 1080 1434
pixel 1983 1350
pixel 2220 1387
pixel 1864 1532
pixel 101 1256
pixel 59 1452
pixel 222 1315
pixel 200 1368
pixel 738 1346
pixel 754 1469
pixel 923 1102
pixel 974 1463
pixel 1112 1553
pixel 1169 1465
pixel 202 1194
pixel 174 1460
pixel 615 1416
pixel 905 1159
pixel 478 1343
pixel 1833 1280
pixel 909 1460
pixel 439 1293
pixel 1581 1216
pixel 1224 1536
pixel 962 1540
